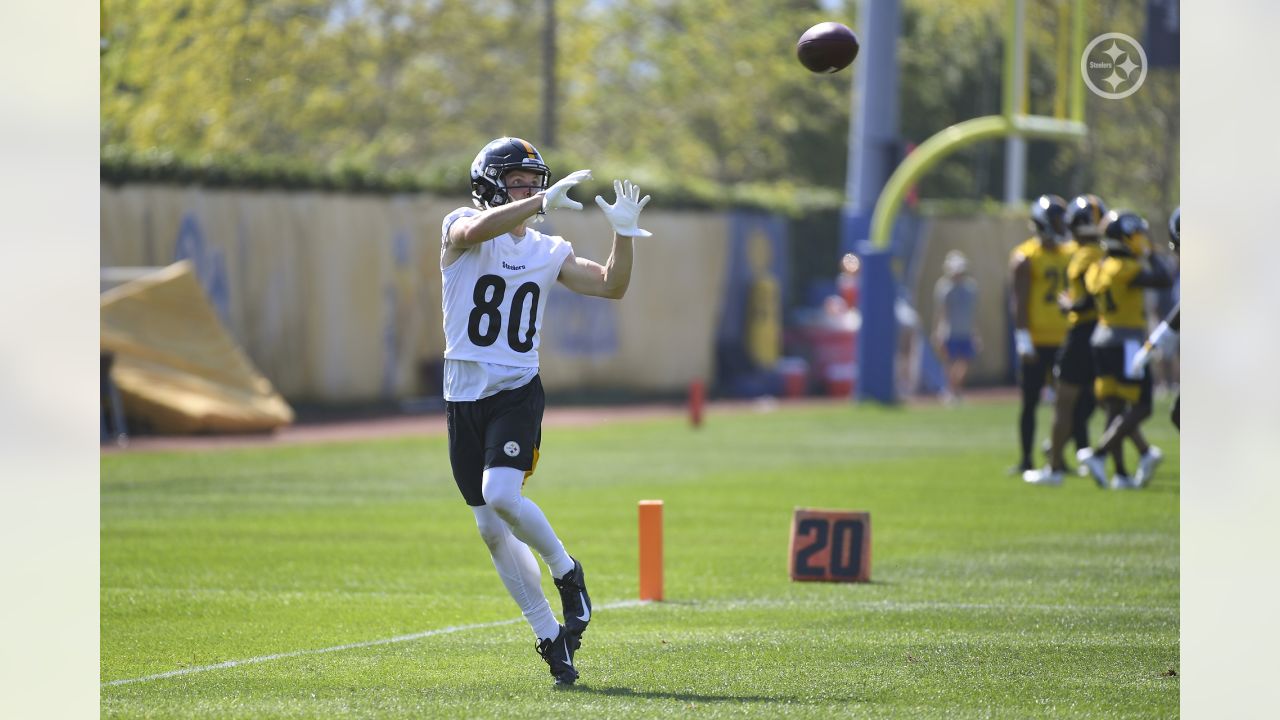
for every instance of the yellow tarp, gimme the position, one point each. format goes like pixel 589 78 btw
pixel 177 368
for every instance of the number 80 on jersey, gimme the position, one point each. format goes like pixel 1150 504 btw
pixel 830 545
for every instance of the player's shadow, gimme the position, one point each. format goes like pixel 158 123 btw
pixel 685 696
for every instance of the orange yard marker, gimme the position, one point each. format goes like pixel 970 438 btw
pixel 650 549
pixel 697 398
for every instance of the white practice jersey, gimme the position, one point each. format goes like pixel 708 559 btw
pixel 494 298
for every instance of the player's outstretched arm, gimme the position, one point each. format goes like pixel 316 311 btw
pixel 587 277
pixel 1162 337
pixel 471 231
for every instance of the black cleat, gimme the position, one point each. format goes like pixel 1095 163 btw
pixel 559 657
pixel 576 603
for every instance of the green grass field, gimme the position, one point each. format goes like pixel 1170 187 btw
pixel 990 598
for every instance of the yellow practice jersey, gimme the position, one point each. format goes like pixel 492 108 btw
pixel 1085 257
pixel 1121 305
pixel 1045 318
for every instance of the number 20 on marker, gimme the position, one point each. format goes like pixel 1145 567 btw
pixel 830 545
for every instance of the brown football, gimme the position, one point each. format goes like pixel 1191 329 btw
pixel 827 47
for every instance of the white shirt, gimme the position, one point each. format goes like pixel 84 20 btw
pixel 494 298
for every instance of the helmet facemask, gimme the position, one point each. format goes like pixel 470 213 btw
pixel 498 189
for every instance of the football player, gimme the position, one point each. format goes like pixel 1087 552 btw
pixel 1117 284
pixel 1166 333
pixel 1073 367
pixel 1038 268
pixel 497 274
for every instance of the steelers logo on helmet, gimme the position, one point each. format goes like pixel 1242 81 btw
pixel 1175 229
pixel 1049 217
pixel 494 161
pixel 1125 233
pixel 1084 215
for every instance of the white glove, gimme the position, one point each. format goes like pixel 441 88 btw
pixel 625 213
pixel 557 196
pixel 1022 342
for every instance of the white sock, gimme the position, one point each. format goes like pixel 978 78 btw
pixel 501 488
pixel 519 571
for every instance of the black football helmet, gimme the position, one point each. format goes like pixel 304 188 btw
pixel 1175 229
pixel 1049 215
pixel 1125 233
pixel 1085 214
pixel 488 188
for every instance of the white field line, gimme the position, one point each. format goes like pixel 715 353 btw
pixel 348 646
pixel 925 605
pixel 875 605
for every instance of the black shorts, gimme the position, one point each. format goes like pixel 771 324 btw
pixel 1111 381
pixel 502 430
pixel 1075 359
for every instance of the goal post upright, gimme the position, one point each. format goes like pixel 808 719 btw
pixel 1012 122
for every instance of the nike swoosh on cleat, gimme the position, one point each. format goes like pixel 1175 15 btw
pixel 586 616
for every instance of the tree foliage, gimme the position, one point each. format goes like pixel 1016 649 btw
pixel 952 56
pixel 707 89
pixel 702 95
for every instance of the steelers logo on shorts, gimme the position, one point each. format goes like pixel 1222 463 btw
pixel 512 448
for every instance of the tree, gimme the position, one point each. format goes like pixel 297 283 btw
pixel 667 90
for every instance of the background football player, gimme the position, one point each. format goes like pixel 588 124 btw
pixel 1117 284
pixel 1038 267
pixel 1073 367
pixel 1166 333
